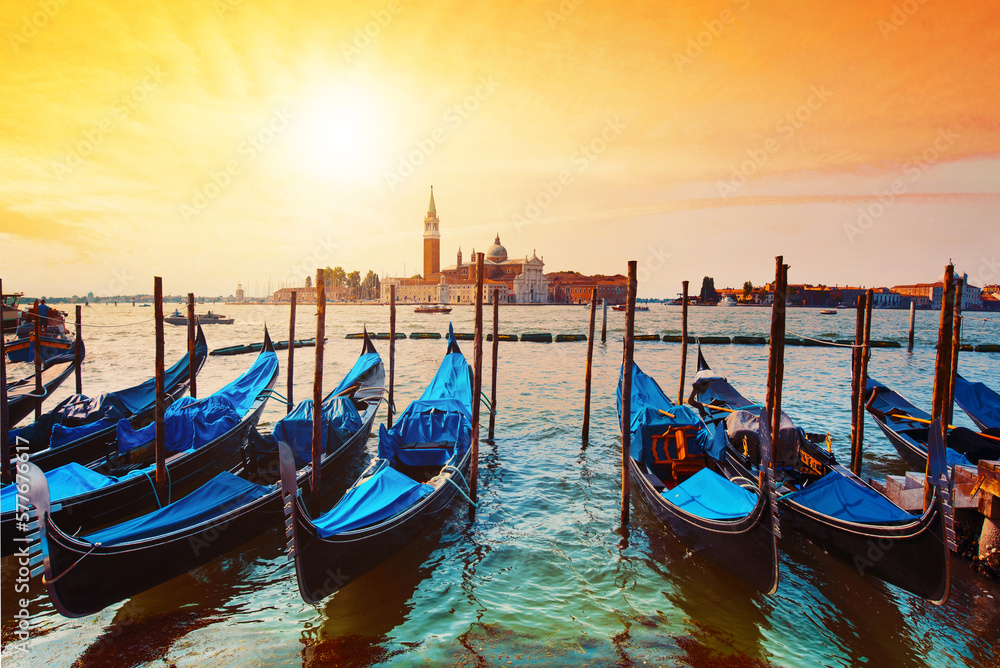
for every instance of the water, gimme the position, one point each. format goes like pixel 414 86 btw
pixel 541 577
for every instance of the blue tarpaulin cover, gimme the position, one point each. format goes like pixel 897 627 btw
pixel 647 420
pixel 191 423
pixel 381 496
pixel 62 435
pixel 844 498
pixel 141 396
pixel 366 362
pixel 979 402
pixel 708 495
pixel 218 496
pixel 295 429
pixel 64 482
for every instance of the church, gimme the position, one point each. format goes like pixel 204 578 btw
pixel 519 281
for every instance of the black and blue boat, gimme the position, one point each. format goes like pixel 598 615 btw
pixel 87 573
pixel 980 403
pixel 421 467
pixel 716 509
pixel 22 397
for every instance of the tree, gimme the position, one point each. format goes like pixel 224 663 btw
pixel 747 290
pixel 353 282
pixel 708 294
pixel 309 281
pixel 370 286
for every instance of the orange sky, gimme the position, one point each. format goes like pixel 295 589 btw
pixel 213 141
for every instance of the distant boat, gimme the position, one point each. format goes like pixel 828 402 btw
pixel 622 307
pixel 8 307
pixel 727 301
pixel 828 311
pixel 432 309
pixel 204 318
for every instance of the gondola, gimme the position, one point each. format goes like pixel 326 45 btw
pixel 82 430
pixel 834 508
pixel 979 402
pixel 716 511
pixel 84 574
pixel 21 395
pixel 54 343
pixel 203 437
pixel 422 464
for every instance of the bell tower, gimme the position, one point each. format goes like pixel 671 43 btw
pixel 432 240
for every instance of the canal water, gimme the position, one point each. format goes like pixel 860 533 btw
pixel 542 576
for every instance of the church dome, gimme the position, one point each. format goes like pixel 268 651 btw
pixel 496 252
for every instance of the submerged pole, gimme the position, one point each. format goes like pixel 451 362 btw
pixel 913 319
pixel 604 321
pixel 590 363
pixel 684 340
pixel 956 345
pixel 6 476
pixel 317 431
pixel 942 367
pixel 161 434
pixel 626 419
pixel 78 349
pixel 857 455
pixel 496 354
pixel 477 386
pixel 290 382
pixel 192 367
pixel 37 344
pixel 390 409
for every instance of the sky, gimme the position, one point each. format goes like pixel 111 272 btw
pixel 220 141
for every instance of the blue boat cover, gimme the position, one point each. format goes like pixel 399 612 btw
pixel 295 429
pixel 366 362
pixel 138 398
pixel 381 496
pixel 64 482
pixel 191 423
pixel 979 401
pixel 218 496
pixel 450 389
pixel 62 435
pixel 647 420
pixel 708 495
pixel 846 499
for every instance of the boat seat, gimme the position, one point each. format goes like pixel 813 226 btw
pixel 672 456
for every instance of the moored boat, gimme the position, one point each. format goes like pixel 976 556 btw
pixel 21 395
pixel 178 318
pixel 432 309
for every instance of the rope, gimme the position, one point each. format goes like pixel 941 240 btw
pixel 275 393
pixel 152 483
pixel 485 400
pixel 827 343
pixel 85 324
pixel 73 565
pixel 449 467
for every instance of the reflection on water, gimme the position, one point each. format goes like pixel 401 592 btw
pixel 541 576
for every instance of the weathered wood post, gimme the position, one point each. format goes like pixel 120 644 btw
pixel 496 354
pixel 192 367
pixel 317 426
pixel 942 366
pixel 477 386
pixel 856 391
pixel 775 361
pixel 626 419
pixel 857 452
pixel 78 349
pixel 161 404
pixel 391 408
pixel 913 320
pixel 6 475
pixel 956 345
pixel 684 340
pixel 290 382
pixel 590 362
pixel 604 321
pixel 37 344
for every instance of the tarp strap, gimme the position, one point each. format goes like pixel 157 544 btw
pixel 275 393
pixel 153 485
pixel 449 467
pixel 489 406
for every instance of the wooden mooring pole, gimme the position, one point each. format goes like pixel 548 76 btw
pixel 290 382
pixel 38 365
pixel 317 426
pixel 956 345
pixel 161 403
pixel 856 391
pixel 192 367
pixel 78 350
pixel 391 408
pixel 684 340
pixel 913 320
pixel 604 322
pixel 477 386
pixel 775 361
pixel 496 354
pixel 626 420
pixel 590 363
pixel 942 366
pixel 858 431
pixel 6 475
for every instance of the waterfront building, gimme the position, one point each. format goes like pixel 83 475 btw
pixel 570 287
pixel 931 292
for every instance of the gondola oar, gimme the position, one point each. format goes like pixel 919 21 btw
pixel 898 414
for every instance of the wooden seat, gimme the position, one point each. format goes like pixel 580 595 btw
pixel 677 466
